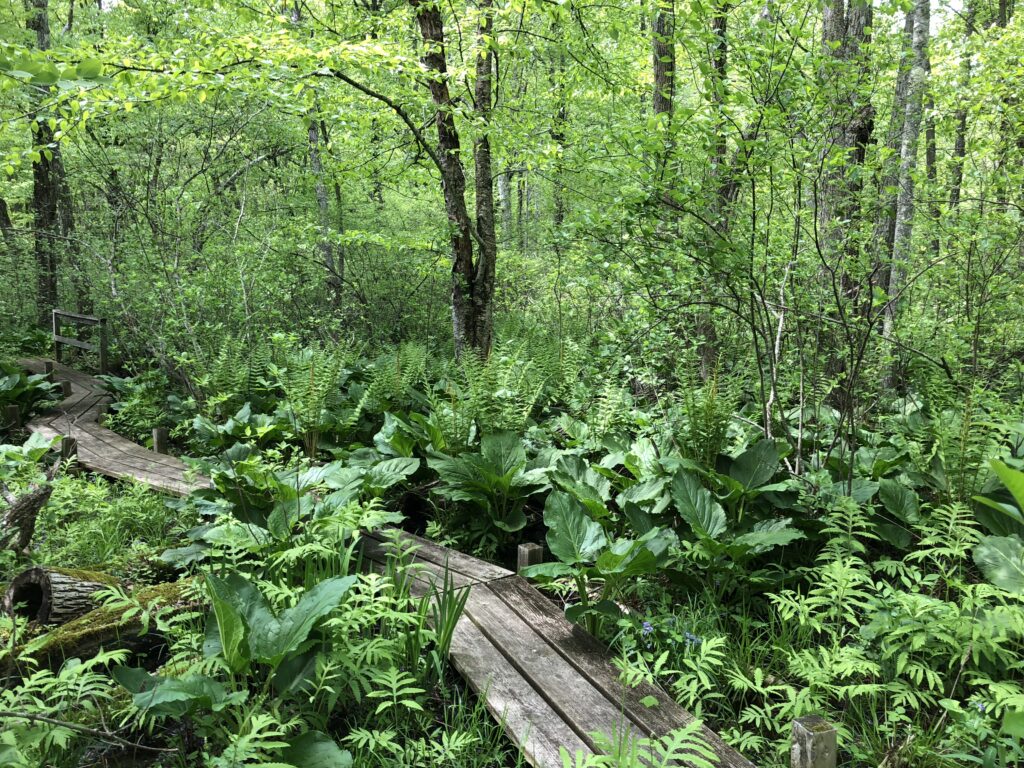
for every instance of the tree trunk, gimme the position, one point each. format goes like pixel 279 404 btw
pixel 6 225
pixel 333 266
pixel 472 278
pixel 484 270
pixel 104 627
pixel 916 87
pixel 52 214
pixel 885 220
pixel 18 523
pixel 664 61
pixel 960 140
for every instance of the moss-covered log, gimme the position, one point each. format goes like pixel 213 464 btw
pixel 105 628
pixel 54 595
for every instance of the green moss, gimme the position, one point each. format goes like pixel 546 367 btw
pixel 97 577
pixel 103 623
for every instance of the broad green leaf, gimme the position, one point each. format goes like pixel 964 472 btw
pixel 90 69
pixel 1013 479
pixel 504 450
pixel 756 466
pixel 314 749
pixel 572 536
pixel 696 506
pixel 1001 559
pixel 230 624
pixel 899 501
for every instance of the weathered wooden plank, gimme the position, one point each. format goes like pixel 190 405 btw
pixel 61 371
pixel 593 663
pixel 425 573
pixel 428 551
pixel 133 451
pixel 70 342
pixel 114 455
pixel 577 701
pixel 528 719
pixel 84 319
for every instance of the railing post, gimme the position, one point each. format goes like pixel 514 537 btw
pixel 48 370
pixel 12 416
pixel 65 388
pixel 56 333
pixel 103 346
pixel 68 448
pixel 528 554
pixel 160 439
pixel 814 743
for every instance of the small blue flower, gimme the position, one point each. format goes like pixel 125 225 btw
pixel 980 706
pixel 692 639
pixel 647 628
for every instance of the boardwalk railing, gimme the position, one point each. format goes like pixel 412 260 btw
pixel 61 316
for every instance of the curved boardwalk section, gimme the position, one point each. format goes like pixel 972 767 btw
pixel 99 449
pixel 546 680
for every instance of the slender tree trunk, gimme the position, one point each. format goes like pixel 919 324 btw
pixel 472 279
pixel 663 57
pixel 916 88
pixel 47 177
pixel 888 183
pixel 484 269
pixel 332 265
pixel 6 225
pixel 960 139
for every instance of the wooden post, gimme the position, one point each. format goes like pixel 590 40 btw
pixel 65 388
pixel 56 333
pixel 48 370
pixel 68 448
pixel 814 743
pixel 12 416
pixel 103 346
pixel 160 439
pixel 529 554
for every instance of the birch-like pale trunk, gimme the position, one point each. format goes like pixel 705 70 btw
pixel 917 85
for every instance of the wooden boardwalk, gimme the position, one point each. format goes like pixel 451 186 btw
pixel 99 449
pixel 545 679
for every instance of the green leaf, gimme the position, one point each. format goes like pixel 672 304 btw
pixel 899 501
pixel 756 466
pixel 696 506
pixel 504 450
pixel 230 625
pixel 286 635
pixel 1013 723
pixel 572 536
pixel 314 749
pixel 90 69
pixel 1013 480
pixel 547 571
pixel 1001 559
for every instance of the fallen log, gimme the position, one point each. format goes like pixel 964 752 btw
pixel 54 595
pixel 103 628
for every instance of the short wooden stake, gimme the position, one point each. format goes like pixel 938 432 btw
pixel 65 388
pixel 12 416
pixel 48 369
pixel 160 439
pixel 529 554
pixel 814 743
pixel 68 448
